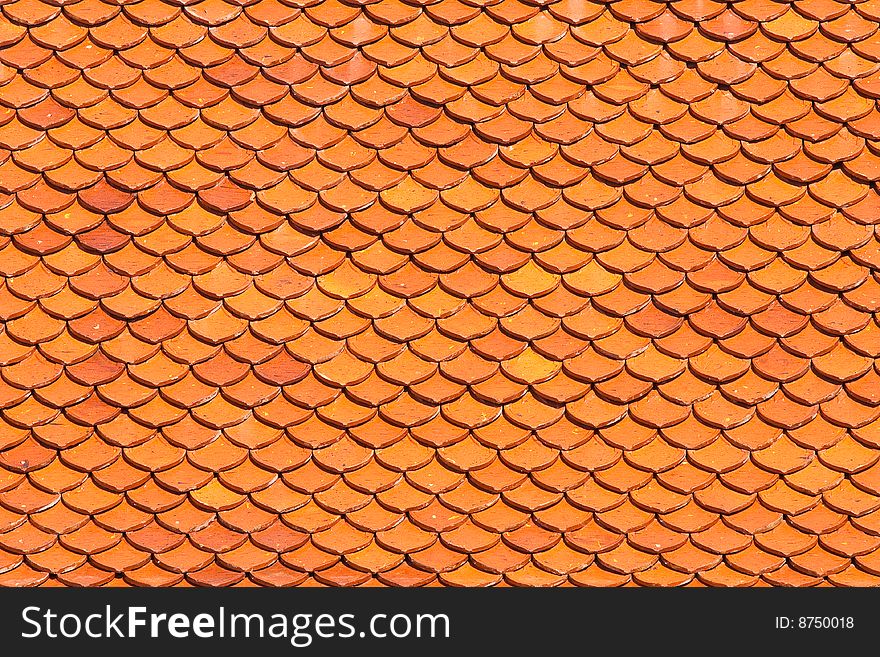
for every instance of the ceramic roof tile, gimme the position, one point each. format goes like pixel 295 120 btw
pixel 456 295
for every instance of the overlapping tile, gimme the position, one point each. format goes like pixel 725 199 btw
pixel 539 293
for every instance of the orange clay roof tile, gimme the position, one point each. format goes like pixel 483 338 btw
pixel 531 295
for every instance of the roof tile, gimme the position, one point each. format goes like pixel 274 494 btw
pixel 483 300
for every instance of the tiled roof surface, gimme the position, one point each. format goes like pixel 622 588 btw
pixel 439 292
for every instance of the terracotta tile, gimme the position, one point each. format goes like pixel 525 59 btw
pixel 663 318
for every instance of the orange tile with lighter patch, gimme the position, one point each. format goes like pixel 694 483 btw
pixel 528 293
